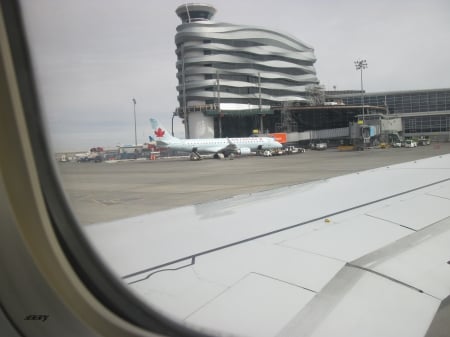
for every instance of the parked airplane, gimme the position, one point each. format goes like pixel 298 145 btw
pixel 220 147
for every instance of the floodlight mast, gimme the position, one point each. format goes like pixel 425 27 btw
pixel 360 65
pixel 134 113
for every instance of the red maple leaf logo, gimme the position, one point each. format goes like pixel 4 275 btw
pixel 159 133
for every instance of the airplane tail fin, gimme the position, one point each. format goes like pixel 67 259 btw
pixel 161 134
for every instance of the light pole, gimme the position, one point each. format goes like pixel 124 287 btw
pixel 360 65
pixel 134 112
pixel 260 104
pixel 175 113
pixel 218 103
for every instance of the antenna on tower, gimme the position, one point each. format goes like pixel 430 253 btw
pixel 187 10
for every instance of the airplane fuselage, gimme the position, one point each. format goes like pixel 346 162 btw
pixel 213 145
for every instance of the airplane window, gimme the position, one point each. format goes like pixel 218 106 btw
pixel 206 206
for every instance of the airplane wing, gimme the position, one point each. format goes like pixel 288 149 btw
pixel 365 254
pixel 217 149
pixel 230 148
pixel 226 150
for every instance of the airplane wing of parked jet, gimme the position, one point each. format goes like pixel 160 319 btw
pixel 365 254
pixel 220 147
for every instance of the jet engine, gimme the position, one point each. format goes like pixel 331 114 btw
pixel 244 151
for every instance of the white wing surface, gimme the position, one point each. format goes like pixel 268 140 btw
pixel 365 254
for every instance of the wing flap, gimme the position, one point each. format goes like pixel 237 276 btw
pixel 360 303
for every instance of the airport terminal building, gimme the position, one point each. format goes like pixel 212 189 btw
pixel 423 112
pixel 233 79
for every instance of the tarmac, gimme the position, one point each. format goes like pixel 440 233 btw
pixel 102 192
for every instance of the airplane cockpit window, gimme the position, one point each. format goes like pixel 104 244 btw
pixel 251 168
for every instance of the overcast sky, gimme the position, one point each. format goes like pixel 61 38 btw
pixel 93 56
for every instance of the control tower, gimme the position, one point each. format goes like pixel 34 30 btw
pixel 195 12
pixel 228 70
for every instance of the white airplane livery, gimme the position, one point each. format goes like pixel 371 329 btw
pixel 220 147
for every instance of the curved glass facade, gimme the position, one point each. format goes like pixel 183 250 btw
pixel 227 63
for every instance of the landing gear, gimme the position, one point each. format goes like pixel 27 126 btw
pixel 219 155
